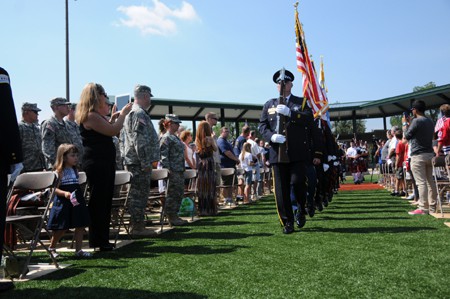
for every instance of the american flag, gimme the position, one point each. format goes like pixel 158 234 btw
pixel 312 90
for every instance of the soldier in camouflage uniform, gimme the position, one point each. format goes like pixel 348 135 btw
pixel 140 150
pixel 74 131
pixel 33 159
pixel 54 130
pixel 172 158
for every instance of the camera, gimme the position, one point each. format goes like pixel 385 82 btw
pixel 406 114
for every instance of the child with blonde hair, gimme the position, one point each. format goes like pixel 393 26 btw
pixel 247 163
pixel 69 207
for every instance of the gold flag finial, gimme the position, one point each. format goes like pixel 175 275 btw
pixel 295 5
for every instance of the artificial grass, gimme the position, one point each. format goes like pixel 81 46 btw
pixel 364 245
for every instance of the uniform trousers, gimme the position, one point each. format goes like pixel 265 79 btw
pixel 286 175
pixel 139 192
pixel 175 192
pixel 3 194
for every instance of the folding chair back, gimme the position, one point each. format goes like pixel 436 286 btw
pixel 32 224
pixel 441 179
pixel 227 172
pixel 119 202
pixel 157 196
pixel 191 176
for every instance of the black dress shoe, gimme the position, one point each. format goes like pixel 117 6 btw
pixel 300 218
pixel 288 228
pixel 107 247
pixel 319 206
pixel 5 286
pixel 311 210
pixel 325 202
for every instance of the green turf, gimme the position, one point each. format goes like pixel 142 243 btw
pixel 364 245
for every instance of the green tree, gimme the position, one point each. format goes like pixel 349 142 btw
pixel 344 127
pixel 232 127
pixel 396 120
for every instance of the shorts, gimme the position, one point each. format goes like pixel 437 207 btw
pixel 399 173
pixel 248 177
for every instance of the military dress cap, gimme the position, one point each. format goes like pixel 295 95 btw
pixel 173 118
pixel 143 88
pixel 30 107
pixel 288 76
pixel 59 101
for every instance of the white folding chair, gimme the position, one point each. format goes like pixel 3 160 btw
pixel 157 196
pixel 32 224
pixel 191 175
pixel 441 180
pixel 227 172
pixel 119 202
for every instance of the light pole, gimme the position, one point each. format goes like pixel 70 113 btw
pixel 67 52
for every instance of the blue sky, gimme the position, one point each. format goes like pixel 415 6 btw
pixel 223 50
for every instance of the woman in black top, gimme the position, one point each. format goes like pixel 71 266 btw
pixel 99 158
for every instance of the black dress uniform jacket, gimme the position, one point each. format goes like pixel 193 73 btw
pixel 303 135
pixel 10 146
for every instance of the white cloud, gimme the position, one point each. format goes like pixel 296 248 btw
pixel 157 20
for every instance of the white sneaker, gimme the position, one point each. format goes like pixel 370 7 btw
pixel 53 252
pixel 411 197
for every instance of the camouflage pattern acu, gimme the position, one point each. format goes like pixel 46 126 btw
pixel 140 141
pixel 139 192
pixel 175 192
pixel 54 133
pixel 172 152
pixel 75 136
pixel 119 160
pixel 33 159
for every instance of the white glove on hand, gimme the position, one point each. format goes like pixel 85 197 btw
pixel 330 158
pixel 325 167
pixel 15 171
pixel 283 109
pixel 278 138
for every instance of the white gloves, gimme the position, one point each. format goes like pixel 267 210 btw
pixel 278 138
pixel 15 171
pixel 325 167
pixel 283 109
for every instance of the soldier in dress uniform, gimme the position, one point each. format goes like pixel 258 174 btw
pixel 54 130
pixel 300 130
pixel 74 131
pixel 141 149
pixel 10 154
pixel 30 135
pixel 172 158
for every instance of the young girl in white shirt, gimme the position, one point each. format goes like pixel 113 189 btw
pixel 247 163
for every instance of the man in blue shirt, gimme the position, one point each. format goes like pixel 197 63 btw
pixel 227 160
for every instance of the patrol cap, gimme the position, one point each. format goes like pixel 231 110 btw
pixel 288 76
pixel 142 88
pixel 30 107
pixel 59 101
pixel 173 118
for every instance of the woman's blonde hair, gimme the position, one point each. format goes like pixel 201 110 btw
pixel 246 148
pixel 89 101
pixel 61 154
